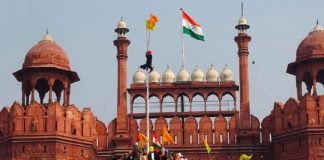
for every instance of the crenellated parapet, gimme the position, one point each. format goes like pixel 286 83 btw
pixel 50 130
pixel 295 127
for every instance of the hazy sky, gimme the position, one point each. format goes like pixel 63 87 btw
pixel 85 29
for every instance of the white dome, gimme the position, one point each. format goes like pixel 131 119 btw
pixel 121 24
pixel 212 74
pixel 226 74
pixel 139 77
pixel 183 75
pixel 242 21
pixel 168 75
pixel 197 75
pixel 155 76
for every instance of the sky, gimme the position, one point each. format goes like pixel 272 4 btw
pixel 85 29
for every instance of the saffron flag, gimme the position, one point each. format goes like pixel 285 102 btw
pixel 245 157
pixel 206 145
pixel 191 27
pixel 150 24
pixel 155 141
pixel 142 139
pixel 166 137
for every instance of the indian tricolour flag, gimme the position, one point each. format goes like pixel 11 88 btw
pixel 191 27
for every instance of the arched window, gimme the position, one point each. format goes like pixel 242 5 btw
pixel 198 103
pixel 228 103
pixel 183 104
pixel 168 104
pixel 212 103
pixel 42 88
pixel 139 105
pixel 154 104
pixel 58 88
pixel 320 80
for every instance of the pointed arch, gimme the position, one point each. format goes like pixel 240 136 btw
pixel 212 103
pixel 138 105
pixel 198 102
pixel 183 103
pixel 228 102
pixel 168 103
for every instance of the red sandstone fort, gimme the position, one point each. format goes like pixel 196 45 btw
pixel 49 127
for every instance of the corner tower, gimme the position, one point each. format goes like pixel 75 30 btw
pixel 121 138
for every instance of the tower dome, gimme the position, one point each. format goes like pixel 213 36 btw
pixel 47 53
pixel 155 76
pixel 197 75
pixel 183 75
pixel 212 74
pixel 226 74
pixel 168 75
pixel 139 77
pixel 312 46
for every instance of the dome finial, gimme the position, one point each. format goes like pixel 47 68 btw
pixel 47 37
pixel 241 9
pixel 318 27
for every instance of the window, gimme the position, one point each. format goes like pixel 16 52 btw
pixel 190 141
pixel 45 149
pixel 23 149
pixel 55 125
pixel 74 131
pixel 175 139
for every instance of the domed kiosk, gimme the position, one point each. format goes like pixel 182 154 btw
pixel 46 69
pixel 309 64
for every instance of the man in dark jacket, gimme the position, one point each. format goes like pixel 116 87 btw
pixel 148 64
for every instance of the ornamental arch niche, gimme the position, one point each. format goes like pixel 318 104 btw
pixel 206 129
pixel 176 130
pixel 190 131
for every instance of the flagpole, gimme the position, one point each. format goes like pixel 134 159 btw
pixel 148 40
pixel 147 112
pixel 181 29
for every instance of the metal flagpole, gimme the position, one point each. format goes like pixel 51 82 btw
pixel 148 100
pixel 147 112
pixel 182 50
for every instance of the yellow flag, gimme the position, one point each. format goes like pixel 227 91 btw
pixel 245 157
pixel 142 139
pixel 206 145
pixel 166 137
pixel 150 24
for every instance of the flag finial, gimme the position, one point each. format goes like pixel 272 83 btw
pixel 242 9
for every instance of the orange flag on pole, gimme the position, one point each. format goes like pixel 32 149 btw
pixel 142 139
pixel 166 137
pixel 150 24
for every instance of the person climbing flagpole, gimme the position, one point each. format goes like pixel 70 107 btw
pixel 150 26
pixel 190 27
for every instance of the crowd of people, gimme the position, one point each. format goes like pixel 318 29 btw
pixel 152 154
